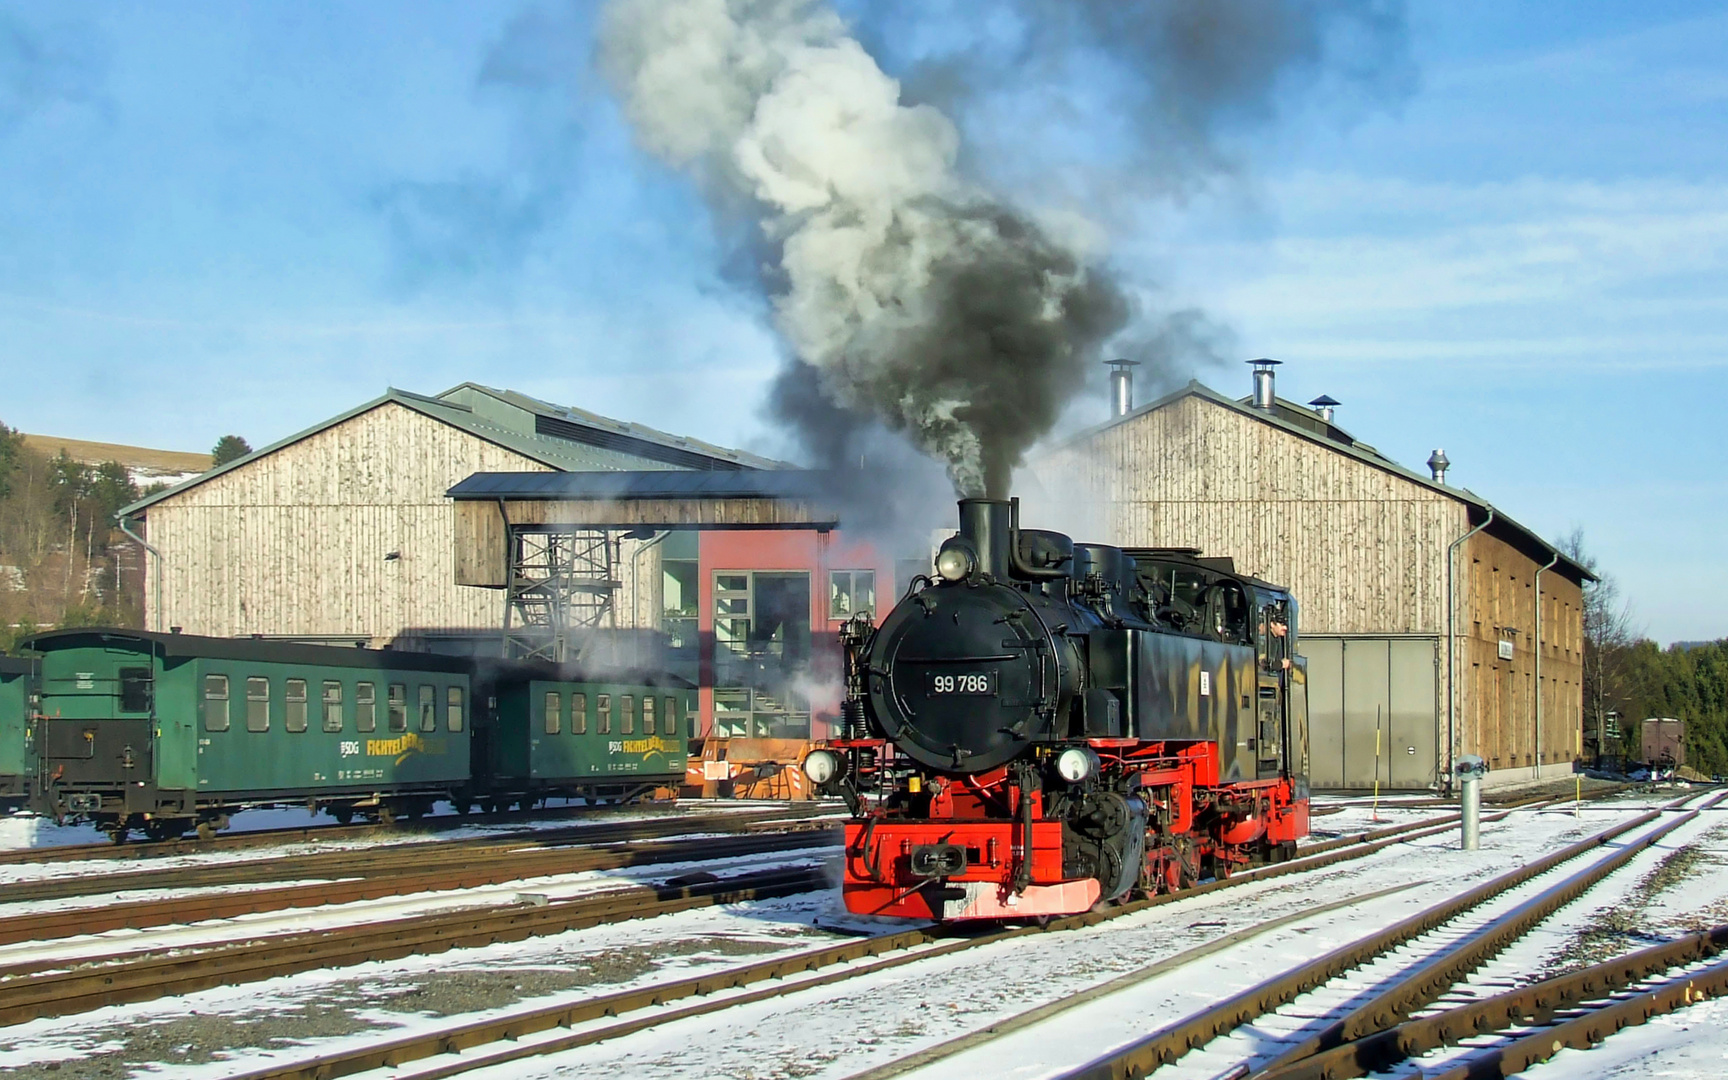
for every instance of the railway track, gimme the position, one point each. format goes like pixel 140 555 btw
pixel 1415 987
pixel 673 820
pixel 500 1040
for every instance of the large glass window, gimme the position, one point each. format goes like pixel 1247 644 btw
pixel 554 710
pixel 332 705
pixel 579 714
pixel 428 708
pixel 453 709
pixel 396 706
pixel 136 689
pixel 294 711
pixel 647 715
pixel 629 708
pixel 365 707
pixel 603 707
pixel 851 592
pixel 215 703
pixel 678 584
pixel 257 704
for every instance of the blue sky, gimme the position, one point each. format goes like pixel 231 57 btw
pixel 246 217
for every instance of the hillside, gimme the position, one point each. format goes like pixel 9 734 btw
pixel 140 461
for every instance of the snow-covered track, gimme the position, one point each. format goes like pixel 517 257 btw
pixel 1535 1022
pixel 1413 988
pixel 28 992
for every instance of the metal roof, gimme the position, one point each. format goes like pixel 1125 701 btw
pixel 557 437
pixel 261 650
pixel 1333 438
pixel 582 486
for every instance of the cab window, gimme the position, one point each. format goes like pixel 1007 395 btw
pixel 135 689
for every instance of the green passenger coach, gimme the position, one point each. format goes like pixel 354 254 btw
pixel 164 731
pixel 17 742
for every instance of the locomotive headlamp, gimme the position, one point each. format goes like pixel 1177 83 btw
pixel 821 766
pixel 955 562
pixel 1076 763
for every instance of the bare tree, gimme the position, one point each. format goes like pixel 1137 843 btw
pixel 1609 633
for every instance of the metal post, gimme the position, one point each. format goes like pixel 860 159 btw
pixel 1539 573
pixel 1452 640
pixel 1470 770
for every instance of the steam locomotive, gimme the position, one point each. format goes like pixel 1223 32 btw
pixel 1044 726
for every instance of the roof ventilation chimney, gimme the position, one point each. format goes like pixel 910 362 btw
pixel 1121 386
pixel 1265 395
pixel 1437 464
pixel 1324 406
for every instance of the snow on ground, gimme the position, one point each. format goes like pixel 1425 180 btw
pixel 859 1024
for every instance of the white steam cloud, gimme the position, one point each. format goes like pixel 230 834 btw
pixel 918 297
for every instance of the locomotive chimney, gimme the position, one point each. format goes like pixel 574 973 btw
pixel 1437 464
pixel 1324 406
pixel 1265 393
pixel 1121 386
pixel 987 523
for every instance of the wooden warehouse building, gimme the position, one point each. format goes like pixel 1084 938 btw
pixel 1433 624
pixel 342 532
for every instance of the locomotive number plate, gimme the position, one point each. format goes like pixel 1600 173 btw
pixel 963 682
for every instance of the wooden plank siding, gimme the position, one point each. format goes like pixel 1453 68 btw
pixel 1363 549
pixel 295 542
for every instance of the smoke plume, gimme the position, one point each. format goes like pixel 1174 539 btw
pixel 916 296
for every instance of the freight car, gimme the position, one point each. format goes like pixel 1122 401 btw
pixel 165 732
pixel 1047 725
pixel 17 742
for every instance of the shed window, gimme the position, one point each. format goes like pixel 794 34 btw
pixel 215 703
pixel 365 707
pixel 647 715
pixel 629 709
pixel 604 708
pixel 453 709
pixel 554 709
pixel 332 706
pixel 257 704
pixel 135 689
pixel 579 714
pixel 396 705
pixel 428 708
pixel 294 715
pixel 851 592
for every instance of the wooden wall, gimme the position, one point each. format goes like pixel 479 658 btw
pixel 1362 549
pixel 1497 698
pixel 295 542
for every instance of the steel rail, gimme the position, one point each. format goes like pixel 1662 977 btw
pixel 1423 984
pixel 1534 1005
pixel 28 995
pixel 182 910
pixel 909 945
pixel 628 850
pixel 1147 1053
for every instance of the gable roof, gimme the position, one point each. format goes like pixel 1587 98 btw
pixel 560 438
pixel 1308 424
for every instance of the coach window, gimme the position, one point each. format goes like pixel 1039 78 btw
pixel 647 715
pixel 554 709
pixel 294 715
pixel 671 714
pixel 629 708
pixel 428 708
pixel 135 689
pixel 365 707
pixel 215 703
pixel 396 706
pixel 453 709
pixel 257 704
pixel 578 714
pixel 604 707
pixel 332 706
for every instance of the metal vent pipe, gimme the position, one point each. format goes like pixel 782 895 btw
pixel 1265 391
pixel 1437 465
pixel 1121 386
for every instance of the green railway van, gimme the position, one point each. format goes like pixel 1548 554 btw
pixel 17 741
pixel 164 731
pixel 558 732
